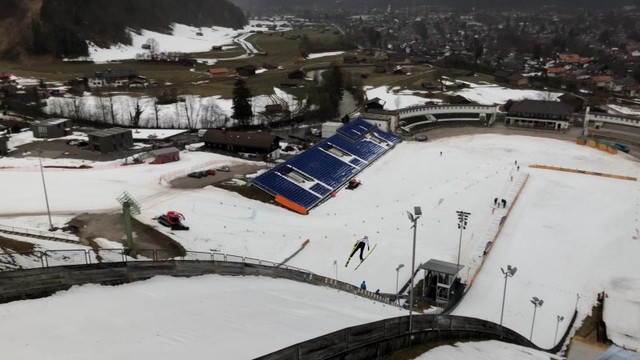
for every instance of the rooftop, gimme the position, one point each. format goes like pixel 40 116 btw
pixel 52 121
pixel 541 107
pixel 109 132
pixel 156 134
pixel 440 266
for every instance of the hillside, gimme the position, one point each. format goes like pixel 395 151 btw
pixel 62 27
pixel 459 4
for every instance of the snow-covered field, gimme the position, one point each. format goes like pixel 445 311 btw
pixel 485 350
pixel 324 54
pixel 168 318
pixel 481 94
pixel 568 233
pixel 205 112
pixel 182 38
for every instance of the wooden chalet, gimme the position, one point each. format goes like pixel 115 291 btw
pixel 254 144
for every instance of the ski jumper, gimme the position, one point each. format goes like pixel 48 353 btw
pixel 360 246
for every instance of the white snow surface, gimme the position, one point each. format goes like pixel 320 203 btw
pixel 168 318
pixel 568 233
pixel 624 110
pixel 495 95
pixel 182 38
pixel 396 99
pixel 482 94
pixel 485 350
pixel 156 133
pixel 324 54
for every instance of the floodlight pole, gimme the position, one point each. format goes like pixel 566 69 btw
pixel 44 185
pixel 462 225
pixel 507 274
pixel 536 304
pixel 414 219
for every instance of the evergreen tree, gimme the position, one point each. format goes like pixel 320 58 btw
pixel 242 102
pixel 305 46
pixel 39 41
pixel 331 90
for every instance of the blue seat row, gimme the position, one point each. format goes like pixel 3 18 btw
pixel 275 184
pixel 355 129
pixel 320 165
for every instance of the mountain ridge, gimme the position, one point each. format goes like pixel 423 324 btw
pixel 505 5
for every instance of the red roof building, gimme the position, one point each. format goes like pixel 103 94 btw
pixel 218 71
pixel 569 58
pixel 556 71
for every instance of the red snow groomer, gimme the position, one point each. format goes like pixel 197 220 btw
pixel 353 184
pixel 172 219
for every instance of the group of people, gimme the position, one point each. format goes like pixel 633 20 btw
pixel 363 286
pixel 497 203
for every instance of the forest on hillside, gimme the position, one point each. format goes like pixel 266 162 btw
pixel 503 5
pixel 62 27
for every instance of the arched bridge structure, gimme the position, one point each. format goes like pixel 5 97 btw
pixel 416 118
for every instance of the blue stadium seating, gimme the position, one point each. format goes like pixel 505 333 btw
pixel 311 176
pixel 356 129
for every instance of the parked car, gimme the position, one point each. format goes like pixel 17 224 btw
pixel 211 172
pixel 196 175
pixel 224 168
pixel 420 138
pixel 622 147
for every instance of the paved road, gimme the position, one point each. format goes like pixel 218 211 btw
pixel 500 128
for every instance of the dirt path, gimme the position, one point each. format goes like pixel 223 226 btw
pixel 111 227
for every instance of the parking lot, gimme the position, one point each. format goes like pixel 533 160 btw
pixel 186 182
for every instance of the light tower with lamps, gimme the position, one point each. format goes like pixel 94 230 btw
pixel 536 304
pixel 462 224
pixel 417 212
pixel 507 274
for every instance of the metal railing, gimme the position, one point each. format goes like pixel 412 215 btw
pixel 360 340
pixel 65 257
pixel 40 233
pixel 71 257
pixel 385 337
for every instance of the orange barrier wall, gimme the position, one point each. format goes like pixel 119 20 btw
pixel 577 171
pixel 290 205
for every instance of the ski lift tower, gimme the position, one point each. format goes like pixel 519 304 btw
pixel 129 207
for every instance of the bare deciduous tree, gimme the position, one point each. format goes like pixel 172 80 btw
pixel 77 102
pixel 134 116
pixel 156 110
pixel 101 106
pixel 111 108
pixel 192 110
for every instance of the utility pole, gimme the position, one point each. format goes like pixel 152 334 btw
pixel 44 185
